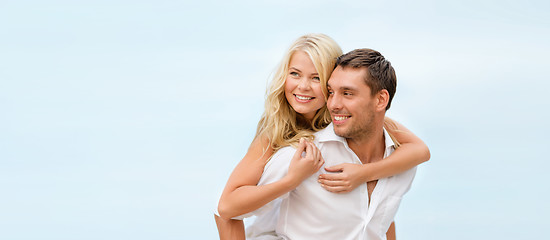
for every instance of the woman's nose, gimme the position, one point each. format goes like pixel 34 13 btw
pixel 304 84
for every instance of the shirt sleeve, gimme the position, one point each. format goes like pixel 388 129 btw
pixel 274 170
pixel 241 217
pixel 277 167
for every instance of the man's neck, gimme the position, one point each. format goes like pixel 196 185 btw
pixel 369 147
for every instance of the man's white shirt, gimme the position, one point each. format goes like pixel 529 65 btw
pixel 311 212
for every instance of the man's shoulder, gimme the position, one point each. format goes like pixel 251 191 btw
pixel 327 134
pixel 278 164
pixel 285 150
pixel 329 130
pixel 282 155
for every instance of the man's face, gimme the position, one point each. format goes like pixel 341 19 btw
pixel 350 102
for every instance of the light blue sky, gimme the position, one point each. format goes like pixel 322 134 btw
pixel 123 119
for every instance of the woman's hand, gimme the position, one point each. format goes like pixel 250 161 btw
pixel 346 177
pixel 305 164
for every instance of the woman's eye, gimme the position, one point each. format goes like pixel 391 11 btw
pixel 316 79
pixel 294 74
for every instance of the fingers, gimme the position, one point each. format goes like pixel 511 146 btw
pixel 332 177
pixel 336 189
pixel 312 154
pixel 317 157
pixel 301 148
pixel 321 162
pixel 333 183
pixel 316 153
pixel 335 168
pixel 309 150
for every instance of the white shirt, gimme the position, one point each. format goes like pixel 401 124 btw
pixel 263 227
pixel 311 212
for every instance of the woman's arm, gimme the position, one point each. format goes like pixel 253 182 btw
pixel 390 234
pixel 411 152
pixel 230 229
pixel 242 195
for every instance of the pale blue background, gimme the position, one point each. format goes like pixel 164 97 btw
pixel 123 119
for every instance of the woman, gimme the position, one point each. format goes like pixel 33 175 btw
pixel 295 109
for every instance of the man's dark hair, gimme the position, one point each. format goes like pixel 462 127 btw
pixel 380 74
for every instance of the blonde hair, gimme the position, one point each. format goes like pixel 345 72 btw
pixel 280 124
pixel 390 127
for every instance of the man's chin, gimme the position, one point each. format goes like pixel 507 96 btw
pixel 340 132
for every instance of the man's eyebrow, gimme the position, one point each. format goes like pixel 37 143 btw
pixel 347 88
pixel 344 88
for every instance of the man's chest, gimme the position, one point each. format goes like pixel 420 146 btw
pixel 370 188
pixel 334 154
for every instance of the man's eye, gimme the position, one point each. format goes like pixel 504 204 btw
pixel 329 92
pixel 347 93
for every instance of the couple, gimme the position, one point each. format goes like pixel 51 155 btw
pixel 320 164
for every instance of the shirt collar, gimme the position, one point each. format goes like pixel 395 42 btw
pixel 388 140
pixel 328 135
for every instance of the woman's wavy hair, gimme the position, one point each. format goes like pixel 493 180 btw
pixel 280 124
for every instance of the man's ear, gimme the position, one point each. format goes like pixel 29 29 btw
pixel 382 98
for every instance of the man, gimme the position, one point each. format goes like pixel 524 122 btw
pixel 360 91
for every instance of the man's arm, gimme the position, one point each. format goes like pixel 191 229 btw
pixel 230 229
pixel 390 234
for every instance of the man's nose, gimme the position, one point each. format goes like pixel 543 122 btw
pixel 334 102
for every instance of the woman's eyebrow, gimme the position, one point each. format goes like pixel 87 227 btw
pixel 295 69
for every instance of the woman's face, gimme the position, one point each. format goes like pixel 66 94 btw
pixel 303 88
